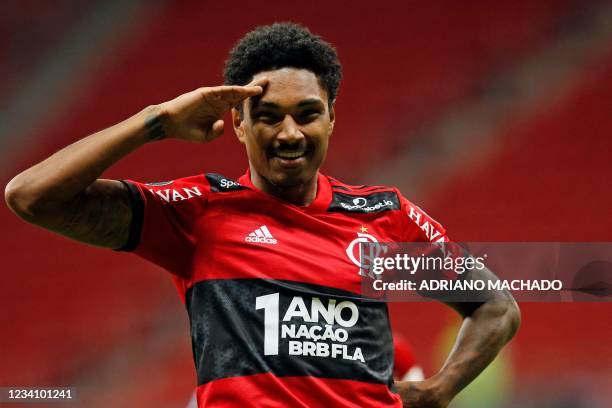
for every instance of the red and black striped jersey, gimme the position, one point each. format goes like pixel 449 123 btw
pixel 273 289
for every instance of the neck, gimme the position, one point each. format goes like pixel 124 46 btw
pixel 302 194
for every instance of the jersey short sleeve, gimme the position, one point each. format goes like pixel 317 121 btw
pixel 419 226
pixel 164 220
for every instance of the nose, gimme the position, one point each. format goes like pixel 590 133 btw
pixel 290 131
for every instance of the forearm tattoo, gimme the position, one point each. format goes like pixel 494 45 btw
pixel 154 126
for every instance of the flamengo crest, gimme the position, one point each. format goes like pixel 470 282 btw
pixel 363 255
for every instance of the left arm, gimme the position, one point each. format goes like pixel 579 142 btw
pixel 486 328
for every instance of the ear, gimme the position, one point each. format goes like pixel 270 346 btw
pixel 332 118
pixel 237 122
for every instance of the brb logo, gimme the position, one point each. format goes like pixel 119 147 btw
pixel 363 255
pixel 318 331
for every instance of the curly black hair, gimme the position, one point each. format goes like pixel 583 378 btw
pixel 283 45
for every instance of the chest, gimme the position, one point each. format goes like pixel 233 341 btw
pixel 285 243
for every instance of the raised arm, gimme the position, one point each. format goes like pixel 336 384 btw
pixel 64 194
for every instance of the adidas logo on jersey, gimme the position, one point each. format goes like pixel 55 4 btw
pixel 261 235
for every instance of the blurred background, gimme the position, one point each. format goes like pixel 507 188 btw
pixel 493 116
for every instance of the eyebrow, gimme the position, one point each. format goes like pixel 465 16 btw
pixel 311 101
pixel 301 104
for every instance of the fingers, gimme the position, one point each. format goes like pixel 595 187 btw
pixel 205 133
pixel 261 83
pixel 217 129
pixel 233 94
pixel 255 87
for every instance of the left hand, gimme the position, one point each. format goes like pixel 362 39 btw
pixel 421 394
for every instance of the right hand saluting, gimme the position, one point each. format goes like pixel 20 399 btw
pixel 196 115
pixel 64 193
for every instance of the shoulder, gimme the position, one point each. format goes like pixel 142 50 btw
pixel 363 198
pixel 415 222
pixel 187 188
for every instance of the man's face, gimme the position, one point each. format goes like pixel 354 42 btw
pixel 286 130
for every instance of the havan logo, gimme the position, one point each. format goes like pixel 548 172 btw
pixel 175 194
pixel 431 232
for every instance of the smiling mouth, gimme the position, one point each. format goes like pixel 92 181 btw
pixel 289 154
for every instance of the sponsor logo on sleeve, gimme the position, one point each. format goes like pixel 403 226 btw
pixel 376 202
pixel 219 183
pixel 172 195
pixel 425 224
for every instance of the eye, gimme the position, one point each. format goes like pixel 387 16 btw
pixel 308 116
pixel 267 117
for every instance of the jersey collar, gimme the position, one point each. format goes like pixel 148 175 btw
pixel 320 203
